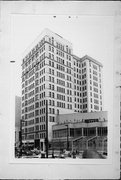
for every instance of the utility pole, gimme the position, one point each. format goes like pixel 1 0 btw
pixel 46 139
pixel 20 136
pixel 67 138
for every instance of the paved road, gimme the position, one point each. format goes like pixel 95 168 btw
pixel 91 154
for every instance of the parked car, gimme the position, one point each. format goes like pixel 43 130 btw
pixel 67 153
pixel 28 153
pixel 36 151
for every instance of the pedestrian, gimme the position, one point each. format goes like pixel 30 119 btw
pixel 74 154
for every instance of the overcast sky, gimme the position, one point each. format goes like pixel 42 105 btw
pixel 91 35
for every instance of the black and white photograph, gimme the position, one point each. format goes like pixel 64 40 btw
pixel 60 90
pixel 61 111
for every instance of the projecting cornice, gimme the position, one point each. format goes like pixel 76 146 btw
pixel 91 59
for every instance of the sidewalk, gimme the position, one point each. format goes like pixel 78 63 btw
pixel 91 154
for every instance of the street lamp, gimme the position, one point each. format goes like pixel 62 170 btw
pixel 20 136
pixel 67 137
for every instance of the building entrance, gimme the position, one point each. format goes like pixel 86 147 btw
pixel 42 144
pixel 37 143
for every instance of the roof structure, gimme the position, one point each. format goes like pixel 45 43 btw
pixel 91 59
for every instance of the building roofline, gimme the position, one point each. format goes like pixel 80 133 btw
pixel 48 30
pixel 91 59
pixel 76 57
pixel 97 112
pixel 44 32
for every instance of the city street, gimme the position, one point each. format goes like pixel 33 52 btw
pixel 86 154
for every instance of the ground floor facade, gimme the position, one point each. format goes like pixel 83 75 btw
pixel 75 132
pixel 82 143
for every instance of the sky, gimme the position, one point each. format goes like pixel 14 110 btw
pixel 91 35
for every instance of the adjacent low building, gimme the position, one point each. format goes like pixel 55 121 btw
pixel 80 131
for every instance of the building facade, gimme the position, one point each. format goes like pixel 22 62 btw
pixel 17 119
pixel 52 73
pixel 88 94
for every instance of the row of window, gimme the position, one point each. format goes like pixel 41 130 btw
pixel 30 108
pixel 51 102
pixel 42 95
pixel 60 133
pixel 42 57
pixel 39 52
pixel 51 48
pixel 60 89
pixel 61 97
pixel 96 101
pixel 40 120
pixel 84 100
pixel 61 47
pixel 68 70
pixel 78 106
pixel 60 82
pixel 42 87
pixel 51 87
pixel 83 70
pixel 77 70
pixel 77 82
pixel 42 103
pixel 51 71
pixel 60 53
pixel 61 75
pixel 95 89
pixel 32 136
pixel 78 88
pixel 31 79
pixel 42 79
pixel 69 85
pixel 60 104
pixel 77 93
pixel 51 111
pixel 37 67
pixel 51 118
pixel 77 76
pixel 31 100
pixel 31 93
pixel 69 99
pixel 41 72
pixel 36 128
pixel 60 67
pixel 78 100
pixel 43 119
pixel 34 50
pixel 59 60
pixel 30 115
pixel 84 82
pixel 39 112
pixel 78 64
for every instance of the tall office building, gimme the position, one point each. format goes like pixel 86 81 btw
pixel 52 73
